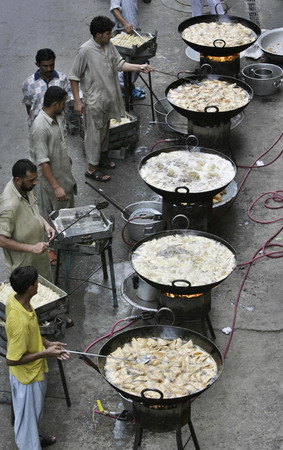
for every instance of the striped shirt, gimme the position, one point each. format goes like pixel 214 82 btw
pixel 128 9
pixel 34 88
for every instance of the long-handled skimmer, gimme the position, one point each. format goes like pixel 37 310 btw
pixel 99 206
pixel 140 360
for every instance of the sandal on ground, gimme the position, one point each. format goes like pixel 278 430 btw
pixel 46 441
pixel 137 94
pixel 107 164
pixel 98 175
pixel 138 88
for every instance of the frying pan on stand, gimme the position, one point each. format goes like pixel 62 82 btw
pixel 175 288
pixel 183 193
pixel 163 332
pixel 219 48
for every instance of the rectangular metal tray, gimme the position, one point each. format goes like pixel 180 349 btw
pixel 148 49
pixel 132 124
pixel 93 227
pixel 49 310
pixel 52 327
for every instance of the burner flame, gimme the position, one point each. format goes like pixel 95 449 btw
pixel 229 58
pixel 169 294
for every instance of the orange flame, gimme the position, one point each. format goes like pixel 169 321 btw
pixel 169 294
pixel 229 58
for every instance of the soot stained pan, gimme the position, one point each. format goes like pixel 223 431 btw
pixel 219 48
pixel 182 193
pixel 175 288
pixel 164 332
pixel 211 113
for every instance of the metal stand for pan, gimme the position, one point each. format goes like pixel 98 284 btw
pixel 180 215
pixel 192 314
pixel 154 419
pixel 83 250
pixel 216 136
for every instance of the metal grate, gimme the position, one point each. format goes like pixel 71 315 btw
pixel 253 12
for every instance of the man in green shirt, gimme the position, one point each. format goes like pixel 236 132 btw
pixel 48 151
pixel 23 231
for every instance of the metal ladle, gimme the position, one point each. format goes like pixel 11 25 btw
pixel 140 360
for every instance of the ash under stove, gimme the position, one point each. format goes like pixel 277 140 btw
pixel 185 311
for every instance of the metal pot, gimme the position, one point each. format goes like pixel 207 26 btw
pixel 264 79
pixel 271 43
pixel 162 107
pixel 145 291
pixel 140 228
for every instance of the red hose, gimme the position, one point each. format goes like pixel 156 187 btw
pixel 162 140
pixel 263 251
pixel 249 265
pixel 277 197
pixel 109 334
pixel 124 227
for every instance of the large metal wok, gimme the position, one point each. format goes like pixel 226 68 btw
pixel 157 331
pixel 175 287
pixel 183 193
pixel 211 114
pixel 219 48
pixel 271 43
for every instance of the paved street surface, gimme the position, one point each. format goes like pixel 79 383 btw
pixel 243 409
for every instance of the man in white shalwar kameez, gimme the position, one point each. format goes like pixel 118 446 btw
pixel 214 6
pixel 96 68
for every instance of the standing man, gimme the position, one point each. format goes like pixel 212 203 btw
pixel 26 357
pixel 35 86
pixel 49 152
pixel 22 228
pixel 125 13
pixel 95 67
pixel 214 6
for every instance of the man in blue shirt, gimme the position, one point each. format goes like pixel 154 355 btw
pixel 125 13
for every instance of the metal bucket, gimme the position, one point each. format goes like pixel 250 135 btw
pixel 162 107
pixel 145 291
pixel 140 228
pixel 263 85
